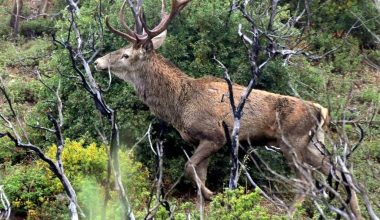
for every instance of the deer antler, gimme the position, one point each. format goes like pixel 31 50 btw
pixel 129 35
pixel 132 36
pixel 177 6
pixel 122 34
pixel 123 20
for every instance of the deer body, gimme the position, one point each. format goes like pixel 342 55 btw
pixel 197 108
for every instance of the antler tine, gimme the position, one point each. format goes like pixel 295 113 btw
pixel 163 7
pixel 122 19
pixel 122 34
pixel 139 17
pixel 177 6
pixel 129 35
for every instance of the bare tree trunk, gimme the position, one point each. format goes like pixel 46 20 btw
pixel 44 7
pixel 15 17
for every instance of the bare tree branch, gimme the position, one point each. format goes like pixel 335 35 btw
pixel 90 85
pixel 199 192
pixel 55 167
pixel 6 211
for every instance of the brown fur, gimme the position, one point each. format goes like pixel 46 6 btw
pixel 198 107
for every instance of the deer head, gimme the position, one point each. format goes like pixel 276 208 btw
pixel 145 41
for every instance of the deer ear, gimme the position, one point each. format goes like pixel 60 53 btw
pixel 155 43
pixel 159 40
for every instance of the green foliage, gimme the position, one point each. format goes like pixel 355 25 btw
pixel 28 188
pixel 35 192
pixel 370 94
pixel 36 27
pixel 236 204
pixel 17 57
pixel 90 194
pixel 337 17
pixel 308 81
pixel 275 77
pixel 6 151
pixel 24 91
pixel 345 58
pixel 229 205
pixel 202 30
pixel 4 24
pixel 374 150
pixel 366 162
pixel 239 204
pixel 89 160
pixel 373 55
pixel 5 16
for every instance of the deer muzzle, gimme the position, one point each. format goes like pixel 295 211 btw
pixel 100 64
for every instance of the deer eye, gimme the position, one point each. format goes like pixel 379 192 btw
pixel 125 56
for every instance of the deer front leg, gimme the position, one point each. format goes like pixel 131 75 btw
pixel 294 159
pixel 196 167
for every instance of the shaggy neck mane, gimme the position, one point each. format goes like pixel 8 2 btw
pixel 161 86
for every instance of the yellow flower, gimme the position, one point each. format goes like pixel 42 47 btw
pixel 41 199
pixel 16 204
pixel 32 213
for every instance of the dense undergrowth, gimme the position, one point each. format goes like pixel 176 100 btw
pixel 344 81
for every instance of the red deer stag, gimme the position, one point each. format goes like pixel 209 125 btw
pixel 196 109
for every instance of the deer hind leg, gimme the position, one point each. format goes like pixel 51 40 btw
pixel 196 167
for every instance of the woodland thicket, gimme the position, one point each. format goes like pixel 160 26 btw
pixel 346 80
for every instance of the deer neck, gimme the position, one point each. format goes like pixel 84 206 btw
pixel 160 85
